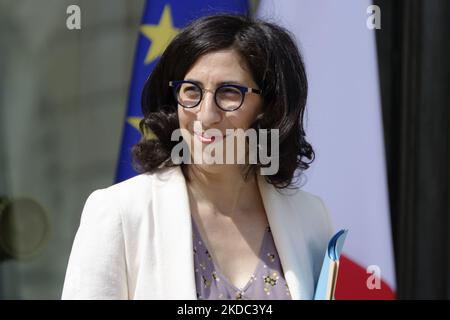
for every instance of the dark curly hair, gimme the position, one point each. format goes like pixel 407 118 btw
pixel 277 68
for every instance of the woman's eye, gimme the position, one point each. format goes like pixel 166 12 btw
pixel 230 91
pixel 190 89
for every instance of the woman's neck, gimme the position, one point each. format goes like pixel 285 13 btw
pixel 223 188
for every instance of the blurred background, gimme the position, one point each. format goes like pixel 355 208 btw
pixel 63 101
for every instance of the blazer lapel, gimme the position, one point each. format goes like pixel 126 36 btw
pixel 173 236
pixel 289 240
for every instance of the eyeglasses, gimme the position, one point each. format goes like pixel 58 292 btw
pixel 228 97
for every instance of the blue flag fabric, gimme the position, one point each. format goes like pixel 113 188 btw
pixel 160 22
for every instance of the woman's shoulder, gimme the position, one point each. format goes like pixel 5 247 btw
pixel 314 202
pixel 302 195
pixel 130 188
pixel 313 212
pixel 307 201
pixel 130 197
pixel 137 188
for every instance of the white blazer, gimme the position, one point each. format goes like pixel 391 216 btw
pixel 135 240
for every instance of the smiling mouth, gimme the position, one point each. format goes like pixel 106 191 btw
pixel 206 139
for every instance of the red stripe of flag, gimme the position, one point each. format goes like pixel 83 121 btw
pixel 352 283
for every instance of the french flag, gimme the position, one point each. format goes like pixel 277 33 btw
pixel 344 125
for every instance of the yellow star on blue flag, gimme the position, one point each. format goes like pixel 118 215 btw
pixel 160 35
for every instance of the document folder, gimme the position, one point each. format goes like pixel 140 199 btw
pixel 326 285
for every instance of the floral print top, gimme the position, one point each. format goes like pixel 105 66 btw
pixel 266 283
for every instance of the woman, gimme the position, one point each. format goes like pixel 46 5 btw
pixel 202 230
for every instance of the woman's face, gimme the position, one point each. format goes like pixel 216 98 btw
pixel 209 71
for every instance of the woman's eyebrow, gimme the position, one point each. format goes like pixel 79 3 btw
pixel 219 83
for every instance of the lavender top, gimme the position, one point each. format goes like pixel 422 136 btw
pixel 266 283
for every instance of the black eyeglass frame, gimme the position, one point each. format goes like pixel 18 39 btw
pixel 176 83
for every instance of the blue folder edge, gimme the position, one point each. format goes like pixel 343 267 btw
pixel 331 257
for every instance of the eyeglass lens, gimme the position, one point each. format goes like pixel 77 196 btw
pixel 227 97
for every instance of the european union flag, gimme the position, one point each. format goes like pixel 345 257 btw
pixel 160 22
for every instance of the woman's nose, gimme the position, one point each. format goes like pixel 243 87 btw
pixel 209 113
